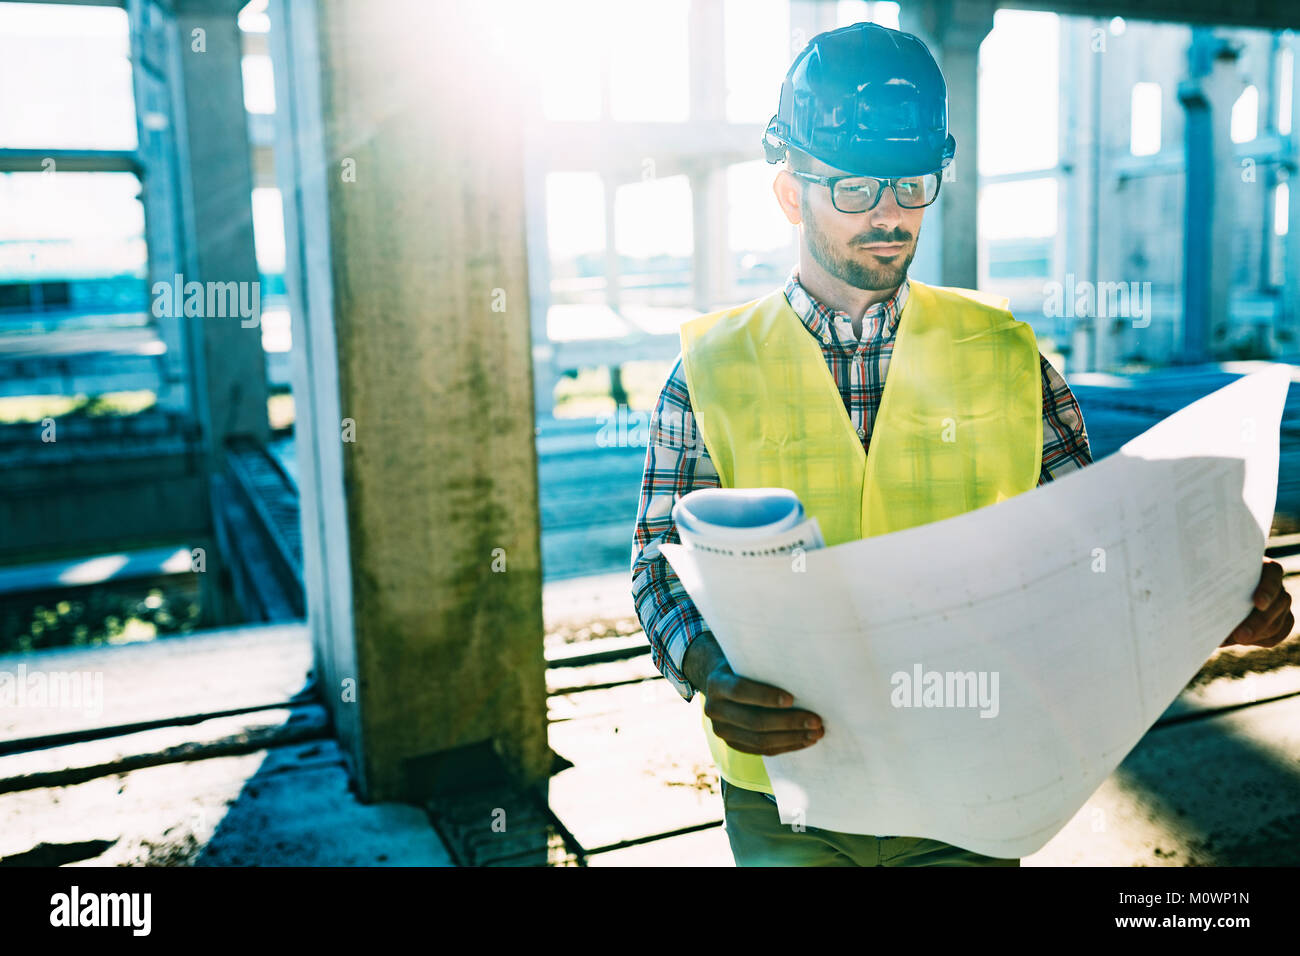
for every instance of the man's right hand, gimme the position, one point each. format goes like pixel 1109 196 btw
pixel 750 717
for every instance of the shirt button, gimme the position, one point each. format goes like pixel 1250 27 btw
pixel 862 433
pixel 826 339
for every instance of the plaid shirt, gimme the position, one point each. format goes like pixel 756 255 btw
pixel 677 462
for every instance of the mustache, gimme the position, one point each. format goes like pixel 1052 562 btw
pixel 869 239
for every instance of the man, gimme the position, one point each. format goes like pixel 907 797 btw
pixel 748 404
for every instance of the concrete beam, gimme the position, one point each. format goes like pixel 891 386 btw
pixel 113 505
pixel 621 146
pixel 1263 14
pixel 70 160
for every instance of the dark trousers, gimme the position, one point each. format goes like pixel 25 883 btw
pixel 759 838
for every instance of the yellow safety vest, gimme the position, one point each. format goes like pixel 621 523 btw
pixel 960 423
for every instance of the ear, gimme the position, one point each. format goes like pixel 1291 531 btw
pixel 787 190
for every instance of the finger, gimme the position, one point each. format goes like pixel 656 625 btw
pixel 1270 583
pixel 748 691
pixel 786 750
pixel 764 744
pixel 761 719
pixel 1262 623
pixel 1266 592
pixel 1276 611
pixel 1281 633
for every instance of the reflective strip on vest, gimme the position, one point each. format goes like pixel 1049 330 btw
pixel 960 423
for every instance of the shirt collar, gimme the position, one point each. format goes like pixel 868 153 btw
pixel 880 319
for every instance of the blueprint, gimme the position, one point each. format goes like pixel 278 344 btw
pixel 981 676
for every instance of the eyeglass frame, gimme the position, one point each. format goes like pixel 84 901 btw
pixel 888 181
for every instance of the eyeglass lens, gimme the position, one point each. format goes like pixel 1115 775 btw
pixel 858 195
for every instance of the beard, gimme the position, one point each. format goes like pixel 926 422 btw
pixel 855 273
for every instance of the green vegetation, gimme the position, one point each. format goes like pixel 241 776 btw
pixel 35 408
pixel 96 615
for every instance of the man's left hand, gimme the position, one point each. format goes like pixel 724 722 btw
pixel 1271 620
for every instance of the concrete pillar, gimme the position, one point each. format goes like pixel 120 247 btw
pixel 807 19
pixel 953 30
pixel 229 362
pixel 160 111
pixel 1213 184
pixel 545 374
pixel 1289 327
pixel 1082 57
pixel 613 268
pixel 227 365
pixel 708 98
pixel 401 121
pixel 711 257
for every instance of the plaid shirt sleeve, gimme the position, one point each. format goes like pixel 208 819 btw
pixel 676 462
pixel 1065 439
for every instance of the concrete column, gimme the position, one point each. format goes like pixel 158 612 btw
pixel 711 258
pixel 708 97
pixel 227 365
pixel 1081 58
pixel 953 30
pixel 230 366
pixel 155 65
pixel 411 295
pixel 545 374
pixel 807 19
pixel 1289 326
pixel 613 268
pixel 1213 184
pixel 1231 191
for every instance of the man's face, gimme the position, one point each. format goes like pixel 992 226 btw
pixel 867 250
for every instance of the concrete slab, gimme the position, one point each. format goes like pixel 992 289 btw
pixel 1219 791
pixel 288 806
pixel 162 680
pixel 218 736
pixel 594 597
pixel 641 767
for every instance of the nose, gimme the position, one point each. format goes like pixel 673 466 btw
pixel 888 213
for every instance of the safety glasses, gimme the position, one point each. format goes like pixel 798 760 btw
pixel 861 193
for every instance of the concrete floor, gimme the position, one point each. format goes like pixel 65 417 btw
pixel 209 750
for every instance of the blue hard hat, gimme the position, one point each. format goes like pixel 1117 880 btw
pixel 865 99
